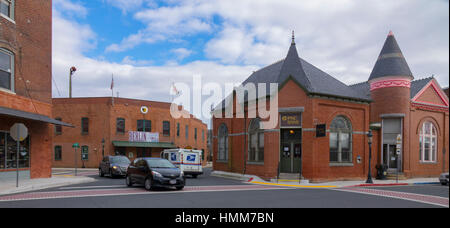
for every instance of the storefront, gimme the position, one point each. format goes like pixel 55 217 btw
pixel 8 152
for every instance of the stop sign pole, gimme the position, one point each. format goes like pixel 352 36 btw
pixel 19 133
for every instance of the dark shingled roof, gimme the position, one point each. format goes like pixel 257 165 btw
pixel 363 88
pixel 391 61
pixel 310 78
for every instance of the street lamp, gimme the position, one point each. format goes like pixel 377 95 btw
pixel 103 147
pixel 72 71
pixel 369 177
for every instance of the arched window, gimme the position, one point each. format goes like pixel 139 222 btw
pixel 256 142
pixel 340 140
pixel 428 142
pixel 223 143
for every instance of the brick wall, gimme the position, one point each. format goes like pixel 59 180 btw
pixel 102 125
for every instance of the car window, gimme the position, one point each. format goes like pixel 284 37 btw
pixel 121 160
pixel 159 163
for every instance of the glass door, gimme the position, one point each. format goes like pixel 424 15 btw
pixel 390 157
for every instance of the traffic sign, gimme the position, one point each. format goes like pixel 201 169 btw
pixel 19 132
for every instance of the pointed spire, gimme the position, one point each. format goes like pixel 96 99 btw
pixel 391 61
pixel 293 38
pixel 292 67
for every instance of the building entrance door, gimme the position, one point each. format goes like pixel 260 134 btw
pixel 291 151
pixel 390 156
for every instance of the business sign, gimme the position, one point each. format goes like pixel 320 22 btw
pixel 144 109
pixel 399 144
pixel 321 130
pixel 138 136
pixel 291 119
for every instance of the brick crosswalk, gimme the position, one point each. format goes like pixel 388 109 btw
pixel 434 200
pixel 126 191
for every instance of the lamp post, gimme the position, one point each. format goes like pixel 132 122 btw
pixel 72 71
pixel 103 148
pixel 369 177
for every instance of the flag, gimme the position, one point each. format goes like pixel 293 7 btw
pixel 112 82
pixel 175 90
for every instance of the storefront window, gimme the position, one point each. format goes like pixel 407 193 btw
pixel 8 152
pixel 340 140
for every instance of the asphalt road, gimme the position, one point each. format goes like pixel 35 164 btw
pixel 214 192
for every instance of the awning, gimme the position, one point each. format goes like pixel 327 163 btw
pixel 166 145
pixel 31 116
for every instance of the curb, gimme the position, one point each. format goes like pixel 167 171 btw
pixel 38 186
pixel 391 184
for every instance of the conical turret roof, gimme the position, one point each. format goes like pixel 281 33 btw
pixel 293 67
pixel 391 61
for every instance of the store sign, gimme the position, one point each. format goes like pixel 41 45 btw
pixel 137 136
pixel 293 119
pixel 321 130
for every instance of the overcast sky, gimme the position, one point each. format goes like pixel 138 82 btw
pixel 150 44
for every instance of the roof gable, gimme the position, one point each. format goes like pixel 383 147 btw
pixel 431 94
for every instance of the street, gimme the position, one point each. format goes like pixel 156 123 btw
pixel 215 192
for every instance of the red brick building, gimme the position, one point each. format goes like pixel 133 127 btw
pixel 323 123
pixel 117 123
pixel 25 85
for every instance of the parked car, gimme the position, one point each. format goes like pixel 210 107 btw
pixel 114 166
pixel 153 173
pixel 444 179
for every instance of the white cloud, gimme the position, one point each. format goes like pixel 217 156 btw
pixel 181 53
pixel 341 38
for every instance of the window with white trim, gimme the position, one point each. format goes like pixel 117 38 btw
pixel 340 140
pixel 7 8
pixel 6 69
pixel 428 142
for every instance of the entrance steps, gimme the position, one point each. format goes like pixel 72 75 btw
pixel 393 176
pixel 289 176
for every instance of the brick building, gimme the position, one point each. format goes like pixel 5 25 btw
pixel 323 123
pixel 25 85
pixel 121 125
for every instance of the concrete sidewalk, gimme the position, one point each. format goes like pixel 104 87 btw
pixel 334 184
pixel 8 184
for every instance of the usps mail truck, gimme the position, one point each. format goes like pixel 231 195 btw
pixel 189 161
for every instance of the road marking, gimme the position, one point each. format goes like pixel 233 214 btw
pixel 294 185
pixel 129 191
pixel 427 199
pixel 88 187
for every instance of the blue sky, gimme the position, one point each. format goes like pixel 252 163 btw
pixel 150 44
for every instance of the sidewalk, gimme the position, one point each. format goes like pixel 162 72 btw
pixel 8 185
pixel 334 184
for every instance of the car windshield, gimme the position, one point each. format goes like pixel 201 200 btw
pixel 120 160
pixel 159 163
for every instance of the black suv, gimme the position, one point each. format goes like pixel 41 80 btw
pixel 155 172
pixel 114 166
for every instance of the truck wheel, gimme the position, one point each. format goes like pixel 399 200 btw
pixel 194 175
pixel 180 188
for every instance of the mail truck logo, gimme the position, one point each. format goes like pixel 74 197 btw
pixel 144 109
pixel 173 157
pixel 191 158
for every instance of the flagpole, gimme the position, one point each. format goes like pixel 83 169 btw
pixel 112 89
